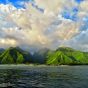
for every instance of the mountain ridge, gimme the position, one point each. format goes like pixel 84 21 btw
pixel 61 56
pixel 66 55
pixel 14 55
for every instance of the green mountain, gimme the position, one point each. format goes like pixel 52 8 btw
pixel 66 56
pixel 15 55
pixel 61 56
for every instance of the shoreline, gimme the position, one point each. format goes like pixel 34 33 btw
pixel 33 65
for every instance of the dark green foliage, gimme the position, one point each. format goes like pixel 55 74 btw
pixel 14 55
pixel 20 59
pixel 7 60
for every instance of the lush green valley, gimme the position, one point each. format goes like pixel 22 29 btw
pixel 61 56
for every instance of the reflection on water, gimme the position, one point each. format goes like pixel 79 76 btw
pixel 44 77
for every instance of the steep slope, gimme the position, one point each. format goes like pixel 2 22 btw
pixel 67 56
pixel 14 55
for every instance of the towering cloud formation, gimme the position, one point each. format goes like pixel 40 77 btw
pixel 43 23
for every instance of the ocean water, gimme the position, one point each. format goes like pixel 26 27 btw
pixel 23 76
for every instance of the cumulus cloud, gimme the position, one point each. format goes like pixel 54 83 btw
pixel 40 24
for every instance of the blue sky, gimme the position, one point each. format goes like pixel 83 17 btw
pixel 79 1
pixel 72 14
pixel 16 3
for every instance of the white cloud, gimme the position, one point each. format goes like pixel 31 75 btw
pixel 31 27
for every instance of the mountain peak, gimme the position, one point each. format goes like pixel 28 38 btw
pixel 15 49
pixel 14 55
pixel 65 49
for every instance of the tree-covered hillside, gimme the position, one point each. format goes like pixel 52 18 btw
pixel 61 56
pixel 15 55
pixel 66 56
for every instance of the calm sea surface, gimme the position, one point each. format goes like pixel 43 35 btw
pixel 22 76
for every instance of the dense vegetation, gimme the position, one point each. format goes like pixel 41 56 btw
pixel 15 55
pixel 61 56
pixel 66 56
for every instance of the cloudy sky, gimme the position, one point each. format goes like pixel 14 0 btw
pixel 36 24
